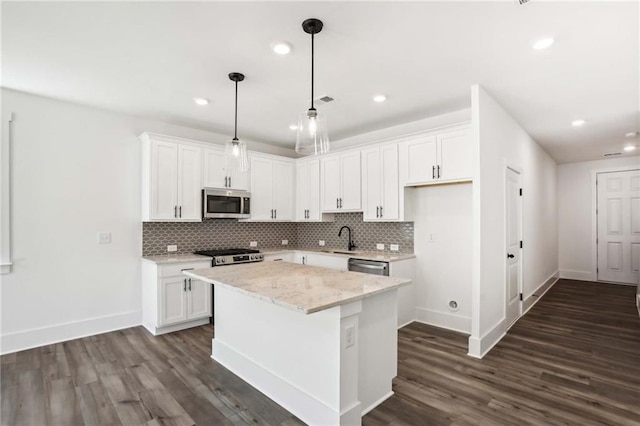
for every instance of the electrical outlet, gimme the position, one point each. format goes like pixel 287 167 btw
pixel 394 247
pixel 350 338
pixel 172 248
pixel 253 244
pixel 285 242
pixel 380 246
pixel 321 243
pixel 104 237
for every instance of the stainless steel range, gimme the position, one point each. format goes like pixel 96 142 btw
pixel 232 256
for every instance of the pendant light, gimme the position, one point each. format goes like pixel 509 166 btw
pixel 236 150
pixel 312 137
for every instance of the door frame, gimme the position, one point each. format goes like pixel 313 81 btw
pixel 594 215
pixel 517 170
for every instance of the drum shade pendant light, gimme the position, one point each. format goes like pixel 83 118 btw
pixel 312 137
pixel 235 149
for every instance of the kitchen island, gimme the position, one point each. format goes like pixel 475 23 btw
pixel 320 342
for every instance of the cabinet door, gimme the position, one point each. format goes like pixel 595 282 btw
pixel 302 189
pixel 173 303
pixel 313 204
pixel 164 180
pixel 455 156
pixel 238 179
pixel 350 181
pixel 419 160
pixel 198 299
pixel 214 168
pixel 189 183
pixel 261 188
pixel 283 194
pixel 330 182
pixel 371 183
pixel 390 198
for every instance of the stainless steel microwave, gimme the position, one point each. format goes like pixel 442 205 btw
pixel 218 203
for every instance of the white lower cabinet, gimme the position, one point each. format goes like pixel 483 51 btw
pixel 172 301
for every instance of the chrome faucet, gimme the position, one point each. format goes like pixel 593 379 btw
pixel 351 244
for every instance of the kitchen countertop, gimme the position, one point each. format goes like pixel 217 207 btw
pixel 177 258
pixel 367 255
pixel 302 288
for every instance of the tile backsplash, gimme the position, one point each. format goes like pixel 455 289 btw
pixel 221 233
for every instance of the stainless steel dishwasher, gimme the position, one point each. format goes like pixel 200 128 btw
pixel 369 266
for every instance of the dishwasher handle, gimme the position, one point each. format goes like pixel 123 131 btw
pixel 369 266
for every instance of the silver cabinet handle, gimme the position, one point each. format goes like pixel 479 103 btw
pixel 175 211
pixel 433 172
pixel 380 211
pixel 275 213
pixel 271 213
pixel 377 211
pixel 229 181
pixel 226 181
pixel 337 203
pixel 340 202
pixel 180 211
pixel 438 171
pixel 185 285
pixel 189 284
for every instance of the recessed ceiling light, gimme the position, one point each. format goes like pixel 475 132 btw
pixel 293 127
pixel 631 135
pixel 379 98
pixel 578 123
pixel 543 43
pixel 629 148
pixel 281 47
pixel 201 101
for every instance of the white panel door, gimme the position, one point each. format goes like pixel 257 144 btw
pixel 173 303
pixel 189 183
pixel 214 169
pixel 371 183
pixel 283 190
pixel 198 299
pixel 314 190
pixel 619 226
pixel 330 183
pixel 261 188
pixel 350 181
pixel 390 199
pixel 513 236
pixel 455 156
pixel 419 160
pixel 164 181
pixel 303 182
pixel 238 180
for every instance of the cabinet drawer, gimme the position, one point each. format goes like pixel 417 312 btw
pixel 175 269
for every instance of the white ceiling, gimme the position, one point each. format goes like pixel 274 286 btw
pixel 151 59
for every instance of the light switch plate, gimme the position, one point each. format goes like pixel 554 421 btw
pixel 350 338
pixel 172 248
pixel 394 247
pixel 104 237
pixel 380 246
pixel 285 242
pixel 253 244
pixel 321 243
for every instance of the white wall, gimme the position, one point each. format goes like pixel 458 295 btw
pixel 575 214
pixel 76 171
pixel 444 262
pixel 500 141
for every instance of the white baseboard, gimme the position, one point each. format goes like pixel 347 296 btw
pixel 478 348
pixel 33 338
pixel 446 320
pixel 578 275
pixel 378 402
pixel 157 331
pixel 537 294
pixel 406 324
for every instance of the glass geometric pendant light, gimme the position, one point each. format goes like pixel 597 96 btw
pixel 235 149
pixel 312 137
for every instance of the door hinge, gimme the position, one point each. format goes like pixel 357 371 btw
pixel 520 243
pixel 521 297
pixel 521 192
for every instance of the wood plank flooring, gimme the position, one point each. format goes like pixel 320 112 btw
pixel 574 359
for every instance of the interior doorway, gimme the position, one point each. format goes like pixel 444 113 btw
pixel 513 245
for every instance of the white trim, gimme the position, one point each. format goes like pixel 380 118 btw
pixel 36 337
pixel 157 331
pixel 578 275
pixel 478 348
pixel 6 198
pixel 541 291
pixel 446 320
pixel 378 402
pixel 406 324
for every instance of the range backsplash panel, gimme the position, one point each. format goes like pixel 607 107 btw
pixel 225 233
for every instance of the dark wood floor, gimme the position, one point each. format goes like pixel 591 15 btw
pixel 574 359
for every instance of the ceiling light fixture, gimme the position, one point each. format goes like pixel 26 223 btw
pixel 201 101
pixel 578 123
pixel 631 135
pixel 379 98
pixel 629 148
pixel 543 43
pixel 281 47
pixel 312 137
pixel 236 150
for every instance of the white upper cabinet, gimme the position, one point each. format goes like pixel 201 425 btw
pixel 340 182
pixel 380 184
pixel 272 194
pixel 308 192
pixel 171 181
pixel 446 157
pixel 217 176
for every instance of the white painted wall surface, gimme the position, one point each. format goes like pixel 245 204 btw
pixel 500 141
pixel 76 172
pixel 575 214
pixel 443 266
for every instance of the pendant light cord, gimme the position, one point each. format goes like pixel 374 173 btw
pixel 312 55
pixel 235 130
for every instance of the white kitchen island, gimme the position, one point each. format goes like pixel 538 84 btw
pixel 321 343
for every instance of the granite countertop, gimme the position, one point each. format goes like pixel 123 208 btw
pixel 303 288
pixel 177 258
pixel 366 255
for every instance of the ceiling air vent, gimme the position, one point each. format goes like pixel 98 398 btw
pixel 611 154
pixel 324 99
pixel 522 2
